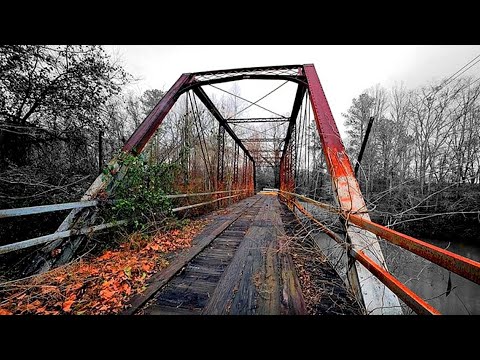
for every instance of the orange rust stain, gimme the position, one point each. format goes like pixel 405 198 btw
pixel 339 163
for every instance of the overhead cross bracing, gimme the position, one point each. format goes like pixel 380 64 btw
pixel 259 120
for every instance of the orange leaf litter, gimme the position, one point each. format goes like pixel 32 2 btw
pixel 101 285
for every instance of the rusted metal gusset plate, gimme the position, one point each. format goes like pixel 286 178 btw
pixel 377 298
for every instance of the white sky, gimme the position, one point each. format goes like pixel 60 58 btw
pixel 344 71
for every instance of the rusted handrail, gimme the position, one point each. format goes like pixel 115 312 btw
pixel 465 267
pixel 176 196
pixel 203 203
pixel 458 264
pixel 319 204
pixel 410 298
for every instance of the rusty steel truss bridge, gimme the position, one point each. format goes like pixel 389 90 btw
pixel 309 148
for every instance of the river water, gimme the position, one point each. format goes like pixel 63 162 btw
pixel 428 280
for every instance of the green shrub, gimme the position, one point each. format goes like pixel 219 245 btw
pixel 140 195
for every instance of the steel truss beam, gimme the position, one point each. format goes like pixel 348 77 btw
pixel 262 140
pixel 278 69
pixel 259 120
pixel 147 128
pixel 221 153
pixel 377 298
pixel 293 117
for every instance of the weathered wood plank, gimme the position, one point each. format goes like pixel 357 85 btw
pixel 245 300
pixel 157 281
pixel 270 289
pixel 292 298
pixel 222 298
pixel 247 274
pixel 170 310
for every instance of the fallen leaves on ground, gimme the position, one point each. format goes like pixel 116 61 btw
pixel 100 285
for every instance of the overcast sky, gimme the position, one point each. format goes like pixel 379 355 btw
pixel 345 71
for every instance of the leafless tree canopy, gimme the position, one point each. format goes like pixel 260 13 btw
pixel 422 157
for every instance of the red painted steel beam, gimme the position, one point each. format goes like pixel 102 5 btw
pixel 460 265
pixel 337 160
pixel 414 301
pixel 373 293
pixel 348 191
pixel 147 128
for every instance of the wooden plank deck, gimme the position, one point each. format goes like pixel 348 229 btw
pixel 238 268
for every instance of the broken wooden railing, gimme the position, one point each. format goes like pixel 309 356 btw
pixel 465 267
pixel 9 213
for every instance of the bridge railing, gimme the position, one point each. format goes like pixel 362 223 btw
pixel 33 210
pixel 465 267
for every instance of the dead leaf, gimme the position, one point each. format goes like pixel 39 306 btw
pixel 147 267
pixel 106 256
pixel 68 303
pixel 53 312
pixel 41 310
pixel 60 278
pixel 108 283
pixel 126 287
pixel 5 312
pixel 34 305
pixel 106 294
pixel 102 284
pixel 153 246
